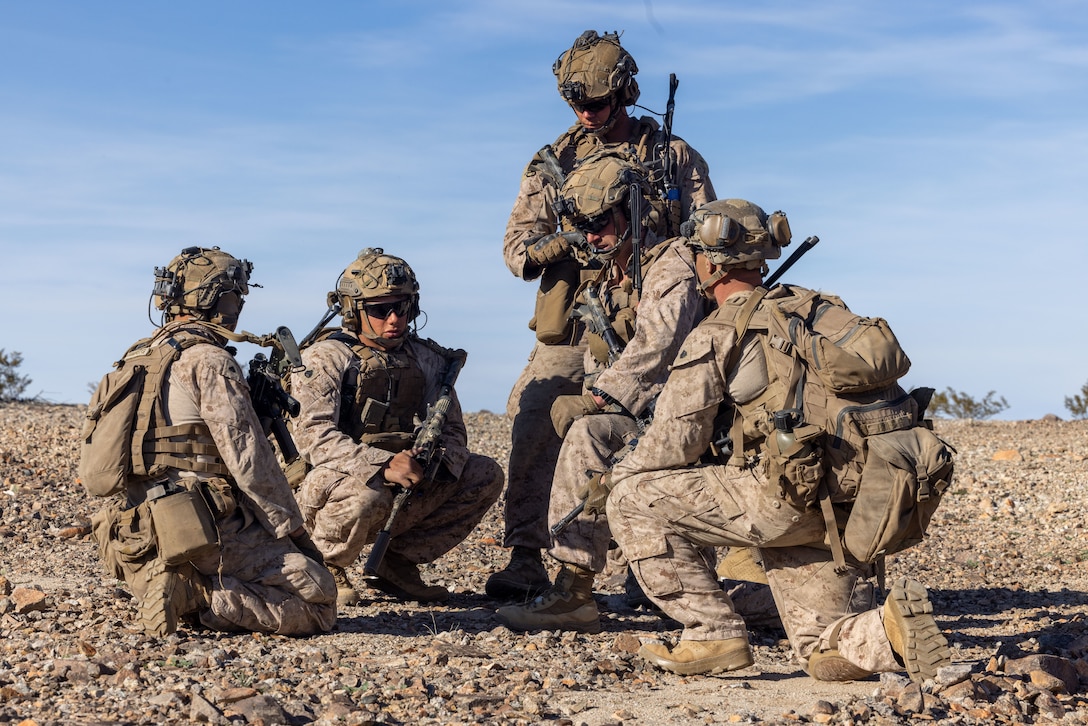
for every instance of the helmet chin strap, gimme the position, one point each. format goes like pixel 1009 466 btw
pixel 614 106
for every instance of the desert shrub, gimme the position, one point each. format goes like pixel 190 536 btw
pixel 1077 404
pixel 957 404
pixel 12 385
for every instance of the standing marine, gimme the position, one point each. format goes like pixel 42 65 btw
pixel 596 77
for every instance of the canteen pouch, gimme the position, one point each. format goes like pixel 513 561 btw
pixel 184 526
pixel 794 475
pixel 555 302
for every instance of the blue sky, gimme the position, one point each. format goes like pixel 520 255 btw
pixel 939 150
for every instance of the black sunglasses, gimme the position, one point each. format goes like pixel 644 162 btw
pixel 592 225
pixel 594 106
pixel 381 310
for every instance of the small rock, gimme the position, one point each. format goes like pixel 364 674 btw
pixel 1056 666
pixel 1007 455
pixel 950 674
pixel 28 600
pixel 201 711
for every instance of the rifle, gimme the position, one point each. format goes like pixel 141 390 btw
pixel 804 247
pixel 636 232
pixel 265 379
pixel 553 170
pixel 642 422
pixel 428 454
pixel 592 313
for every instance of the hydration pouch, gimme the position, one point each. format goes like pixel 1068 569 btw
pixel 184 526
pixel 794 475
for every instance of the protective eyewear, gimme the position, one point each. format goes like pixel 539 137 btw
pixel 593 106
pixel 593 225
pixel 381 311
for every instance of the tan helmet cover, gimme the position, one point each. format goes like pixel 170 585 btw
pixel 194 281
pixel 736 233
pixel 373 274
pixel 601 182
pixel 596 67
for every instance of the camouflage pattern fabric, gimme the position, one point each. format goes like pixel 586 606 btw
pixel 553 370
pixel 663 510
pixel 346 501
pixel 260 581
pixel 671 306
pixel 556 370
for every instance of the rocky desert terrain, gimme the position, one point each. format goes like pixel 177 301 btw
pixel 1006 562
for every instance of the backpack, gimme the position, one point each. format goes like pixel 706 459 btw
pixel 123 439
pixel 834 428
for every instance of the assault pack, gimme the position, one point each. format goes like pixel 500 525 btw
pixel 124 438
pixel 834 428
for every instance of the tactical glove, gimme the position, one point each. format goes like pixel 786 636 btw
pixel 551 247
pixel 566 409
pixel 307 547
pixel 596 493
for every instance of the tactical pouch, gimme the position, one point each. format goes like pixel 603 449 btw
pixel 125 537
pixel 795 474
pixel 555 302
pixel 904 476
pixel 184 526
pixel 219 495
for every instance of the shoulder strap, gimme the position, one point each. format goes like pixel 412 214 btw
pixel 152 449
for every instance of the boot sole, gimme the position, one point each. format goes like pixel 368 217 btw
pixel 510 616
pixel 925 649
pixel 155 610
pixel 709 666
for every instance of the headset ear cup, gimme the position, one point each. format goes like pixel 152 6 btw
pixel 779 227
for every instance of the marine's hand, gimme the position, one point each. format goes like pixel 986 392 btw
pixel 551 247
pixel 306 545
pixel 566 409
pixel 403 470
pixel 596 493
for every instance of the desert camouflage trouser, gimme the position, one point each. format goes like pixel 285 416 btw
pixel 553 370
pixel 258 583
pixel 588 447
pixel 343 513
pixel 662 520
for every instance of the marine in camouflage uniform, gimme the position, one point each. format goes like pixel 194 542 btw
pixel 264 575
pixel 364 388
pixel 648 322
pixel 666 505
pixel 596 77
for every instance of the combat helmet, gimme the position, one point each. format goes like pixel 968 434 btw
pixel 736 233
pixel 373 274
pixel 198 281
pixel 594 68
pixel 602 186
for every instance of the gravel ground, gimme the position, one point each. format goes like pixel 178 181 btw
pixel 1006 563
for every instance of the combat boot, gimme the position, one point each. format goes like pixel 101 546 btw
pixel 566 605
pixel 170 595
pixel 691 657
pixel 829 665
pixel 399 577
pixel 912 632
pixel 346 594
pixel 524 577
